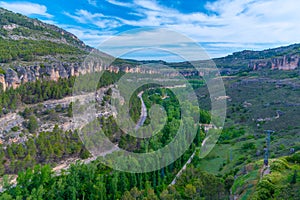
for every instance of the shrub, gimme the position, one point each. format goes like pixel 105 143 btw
pixel 32 124
pixel 15 128
pixel 279 165
pixel 295 158
pixel 249 145
pixel 2 71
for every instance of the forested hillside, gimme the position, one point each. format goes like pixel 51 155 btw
pixel 42 155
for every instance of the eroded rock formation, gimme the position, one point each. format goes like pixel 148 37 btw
pixel 288 62
pixel 21 74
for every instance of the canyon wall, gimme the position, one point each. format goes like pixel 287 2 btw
pixel 17 75
pixel 289 62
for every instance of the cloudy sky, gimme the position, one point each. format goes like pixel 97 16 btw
pixel 219 26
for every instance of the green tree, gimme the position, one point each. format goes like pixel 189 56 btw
pixel 294 178
pixel 99 191
pixel 32 124
pixel 6 196
pixel 190 191
pixel 20 151
pixel 69 111
pixel 123 183
pixel 127 196
pixel 228 183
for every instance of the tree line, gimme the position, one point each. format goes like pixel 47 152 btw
pixel 47 147
pixel 96 181
pixel 39 91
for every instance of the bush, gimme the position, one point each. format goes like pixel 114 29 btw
pixel 249 145
pixel 231 133
pixel 2 71
pixel 32 124
pixel 279 165
pixel 15 128
pixel 294 158
pixel 265 189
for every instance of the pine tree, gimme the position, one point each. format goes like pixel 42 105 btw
pixel 294 178
pixel 32 124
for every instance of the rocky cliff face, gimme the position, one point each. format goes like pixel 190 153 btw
pixel 288 62
pixel 22 74
pixel 19 74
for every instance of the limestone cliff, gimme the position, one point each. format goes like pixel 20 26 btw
pixel 287 62
pixel 17 75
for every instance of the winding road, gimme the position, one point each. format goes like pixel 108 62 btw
pixel 187 162
pixel 143 112
pixel 144 109
pixel 183 168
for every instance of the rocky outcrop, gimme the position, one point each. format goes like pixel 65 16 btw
pixel 22 74
pixel 17 75
pixel 288 62
pixel 2 82
pixel 12 79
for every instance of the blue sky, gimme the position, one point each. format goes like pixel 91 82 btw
pixel 219 26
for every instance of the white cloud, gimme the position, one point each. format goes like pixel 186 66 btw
pixel 233 21
pixel 97 19
pixel 84 16
pixel 118 3
pixel 155 40
pixel 89 36
pixel 150 5
pixel 92 2
pixel 26 8
pixel 227 26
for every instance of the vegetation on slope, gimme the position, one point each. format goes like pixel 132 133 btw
pixel 39 91
pixel 29 50
pixel 17 26
pixel 47 147
pixel 282 183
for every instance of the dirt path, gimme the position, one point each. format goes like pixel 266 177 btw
pixel 264 171
pixel 277 116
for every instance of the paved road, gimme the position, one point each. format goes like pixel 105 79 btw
pixel 144 109
pixel 143 112
pixel 188 162
pixel 183 168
